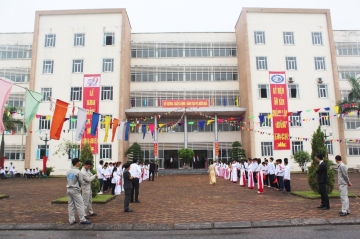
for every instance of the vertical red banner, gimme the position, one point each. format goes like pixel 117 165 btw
pixel 155 149
pixel 279 103
pixel 91 99
pixel 216 148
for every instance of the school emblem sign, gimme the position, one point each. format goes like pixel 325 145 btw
pixel 279 103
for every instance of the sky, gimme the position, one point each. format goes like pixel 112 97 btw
pixel 175 15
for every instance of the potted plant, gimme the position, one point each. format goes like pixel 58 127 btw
pixel 186 155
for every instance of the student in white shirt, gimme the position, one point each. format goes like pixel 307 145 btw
pixel 105 176
pixel 2 173
pixel 100 176
pixel 271 172
pixel 287 176
pixel 280 169
pixel 135 172
pixel 37 173
pixel 11 170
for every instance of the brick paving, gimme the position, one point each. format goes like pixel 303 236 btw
pixel 170 199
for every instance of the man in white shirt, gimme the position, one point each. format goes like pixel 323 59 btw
pixel 2 173
pixel 255 169
pixel 271 172
pixel 135 172
pixel 171 162
pixel 246 167
pixel 100 176
pixel 37 173
pixel 11 170
pixel 287 176
pixel 280 169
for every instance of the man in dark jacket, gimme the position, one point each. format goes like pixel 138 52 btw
pixel 152 171
pixel 322 180
pixel 128 186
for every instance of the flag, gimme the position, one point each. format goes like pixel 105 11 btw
pixel 151 128
pixel 143 130
pixel 201 124
pixel 209 122
pixel 237 101
pixel 115 126
pixel 58 119
pixel 336 108
pixel 44 163
pixel 121 130
pixel 224 101
pixel 81 122
pixel 5 89
pixel 94 123
pixel 32 100
pixel 127 129
pixel 107 126
pixel 73 110
pixel 261 117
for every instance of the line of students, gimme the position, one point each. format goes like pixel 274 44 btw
pixel 32 173
pixel 253 171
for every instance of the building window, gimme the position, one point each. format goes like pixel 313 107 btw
pixel 324 119
pixel 44 123
pixel 266 149
pixel 16 74
pixel 291 63
pixel 16 100
pixel 344 94
pixel 348 71
pixel 14 152
pixel 329 146
pixel 288 38
pixel 267 121
pixel 352 122
pixel 294 91
pixel 317 38
pixel 79 39
pixel 42 151
pixel 46 92
pixel 50 40
pixel 261 62
pixel 264 91
pixel 73 122
pixel 105 151
pixel 106 93
pixel 109 38
pixel 259 37
pixel 295 119
pixel 108 65
pixel 76 93
pixel 297 146
pixel 322 91
pixel 77 66
pixel 320 63
pixel 353 149
pixel 74 153
pixel 15 51
pixel 102 121
pixel 48 67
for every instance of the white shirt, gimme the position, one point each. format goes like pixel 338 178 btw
pixel 171 160
pixel 287 172
pixel 250 167
pixel 36 171
pixel 2 171
pixel 28 171
pixel 271 168
pixel 246 166
pixel 99 171
pixel 280 170
pixel 11 168
pixel 255 167
pixel 135 170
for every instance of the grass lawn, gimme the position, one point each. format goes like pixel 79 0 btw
pixel 97 199
pixel 312 195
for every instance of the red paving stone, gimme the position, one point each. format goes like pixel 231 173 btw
pixel 168 200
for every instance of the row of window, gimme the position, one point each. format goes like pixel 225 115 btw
pixel 295 119
pixel 76 93
pixel 291 63
pixel 288 38
pixel 293 91
pixel 79 39
pixel 17 75
pixel 347 48
pixel 15 51
pixel 78 66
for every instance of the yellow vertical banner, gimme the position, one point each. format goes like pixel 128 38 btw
pixel 107 126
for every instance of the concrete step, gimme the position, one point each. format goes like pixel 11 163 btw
pixel 182 171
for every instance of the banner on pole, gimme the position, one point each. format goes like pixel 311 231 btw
pixel 155 149
pixel 91 100
pixel 279 112
pixel 217 148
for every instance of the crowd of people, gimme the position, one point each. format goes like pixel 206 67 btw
pixel 10 172
pixel 254 172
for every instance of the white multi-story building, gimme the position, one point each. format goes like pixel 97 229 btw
pixel 142 72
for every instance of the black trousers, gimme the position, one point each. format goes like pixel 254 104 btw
pixel 266 179
pixel 287 185
pixel 151 175
pixel 324 196
pixel 135 189
pixel 246 174
pixel 254 176
pixel 272 178
pixel 128 192
pixel 113 188
pixel 107 184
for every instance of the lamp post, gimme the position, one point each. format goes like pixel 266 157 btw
pixel 45 139
pixel 325 139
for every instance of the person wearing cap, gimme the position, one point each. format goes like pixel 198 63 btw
pixel 87 177
pixel 74 181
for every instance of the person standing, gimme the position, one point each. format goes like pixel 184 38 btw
pixel 197 162
pixel 87 177
pixel 194 162
pixel 74 181
pixel 156 169
pixel 135 172
pixel 128 187
pixel 280 169
pixel 211 171
pixel 322 181
pixel 271 172
pixel 171 162
pixel 287 176
pixel 11 170
pixel 152 171
pixel 344 182
pixel 100 176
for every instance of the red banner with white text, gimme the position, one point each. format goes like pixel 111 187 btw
pixel 91 98
pixel 279 103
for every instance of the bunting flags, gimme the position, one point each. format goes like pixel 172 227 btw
pixel 32 100
pixel 201 124
pixel 5 89
pixel 209 122
pixel 143 130
pixel 127 129
pixel 58 119
pixel 115 126
pixel 80 125
pixel 121 130
pixel 94 123
pixel 107 126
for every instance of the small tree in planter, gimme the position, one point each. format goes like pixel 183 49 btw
pixel 135 151
pixel 186 155
pixel 85 154
pixel 237 152
pixel 302 158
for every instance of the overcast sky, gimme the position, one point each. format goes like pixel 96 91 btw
pixel 175 15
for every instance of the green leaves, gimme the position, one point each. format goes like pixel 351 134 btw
pixel 302 158
pixel 237 152
pixel 186 154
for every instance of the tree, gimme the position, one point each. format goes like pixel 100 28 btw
pixel 186 154
pixel 353 101
pixel 10 124
pixel 135 152
pixel 237 152
pixel 85 154
pixel 67 148
pixel 318 147
pixel 302 158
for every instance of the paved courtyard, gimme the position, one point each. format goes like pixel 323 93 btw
pixel 170 199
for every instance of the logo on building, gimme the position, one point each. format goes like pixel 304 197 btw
pixel 277 79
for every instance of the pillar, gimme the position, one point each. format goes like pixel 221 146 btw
pixel 185 132
pixel 216 136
